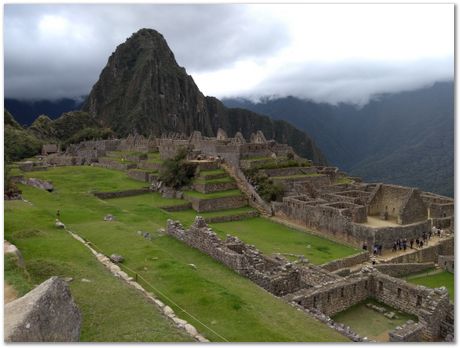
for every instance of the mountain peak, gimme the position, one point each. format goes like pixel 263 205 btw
pixel 143 90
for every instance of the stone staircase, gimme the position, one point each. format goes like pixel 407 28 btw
pixel 254 199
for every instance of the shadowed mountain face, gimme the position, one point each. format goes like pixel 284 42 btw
pixel 142 89
pixel 405 138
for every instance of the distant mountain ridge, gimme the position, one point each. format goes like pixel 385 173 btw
pixel 405 138
pixel 25 112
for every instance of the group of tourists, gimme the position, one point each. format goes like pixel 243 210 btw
pixel 404 244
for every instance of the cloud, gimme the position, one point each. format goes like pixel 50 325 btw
pixel 54 51
pixel 354 82
pixel 329 53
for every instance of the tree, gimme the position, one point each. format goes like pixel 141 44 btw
pixel 177 172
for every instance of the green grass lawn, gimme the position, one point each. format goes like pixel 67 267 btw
pixel 435 279
pixel 111 310
pixel 230 304
pixel 271 237
pixel 220 194
pixel 371 324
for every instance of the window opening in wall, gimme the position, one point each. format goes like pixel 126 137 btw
pixel 419 300
pixel 342 292
pixel 314 301
pixel 365 284
pixel 380 286
pixel 399 292
pixel 328 297
pixel 354 289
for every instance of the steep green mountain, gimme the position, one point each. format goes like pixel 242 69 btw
pixel 404 138
pixel 18 142
pixel 142 89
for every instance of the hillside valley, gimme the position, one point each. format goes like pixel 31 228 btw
pixel 405 138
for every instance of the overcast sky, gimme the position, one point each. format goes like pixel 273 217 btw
pixel 329 53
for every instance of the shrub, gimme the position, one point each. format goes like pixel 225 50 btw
pixel 266 188
pixel 177 172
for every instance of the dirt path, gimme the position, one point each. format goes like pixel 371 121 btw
pixel 10 293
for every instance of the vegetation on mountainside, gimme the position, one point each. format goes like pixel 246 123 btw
pixel 177 172
pixel 89 133
pixel 71 127
pixel 220 298
pixel 19 143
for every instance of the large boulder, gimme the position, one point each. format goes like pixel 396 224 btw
pixel 48 313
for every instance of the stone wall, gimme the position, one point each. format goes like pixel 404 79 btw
pixel 119 194
pixel 213 204
pixel 113 164
pixel 210 187
pixel 399 270
pixel 140 175
pixel 448 323
pixel 414 209
pixel 346 262
pixel 276 276
pixel 177 207
pixel 408 332
pixel 446 262
pixel 430 305
pixel 389 198
pixel 152 166
pixel 228 218
pixel 401 203
pixel 334 297
pixel 447 222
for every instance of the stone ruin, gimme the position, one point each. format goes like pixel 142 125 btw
pixel 361 212
pixel 324 294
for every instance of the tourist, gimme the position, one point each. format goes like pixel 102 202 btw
pixel 438 231
pixel 417 241
pixel 394 247
pixel 404 244
pixel 411 243
pixel 421 244
pixel 429 234
pixel 424 236
pixel 375 249
pixel 58 214
pixel 380 247
pixel 364 246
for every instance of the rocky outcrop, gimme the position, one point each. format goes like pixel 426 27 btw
pixel 40 184
pixel 46 314
pixel 143 90
pixel 11 249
